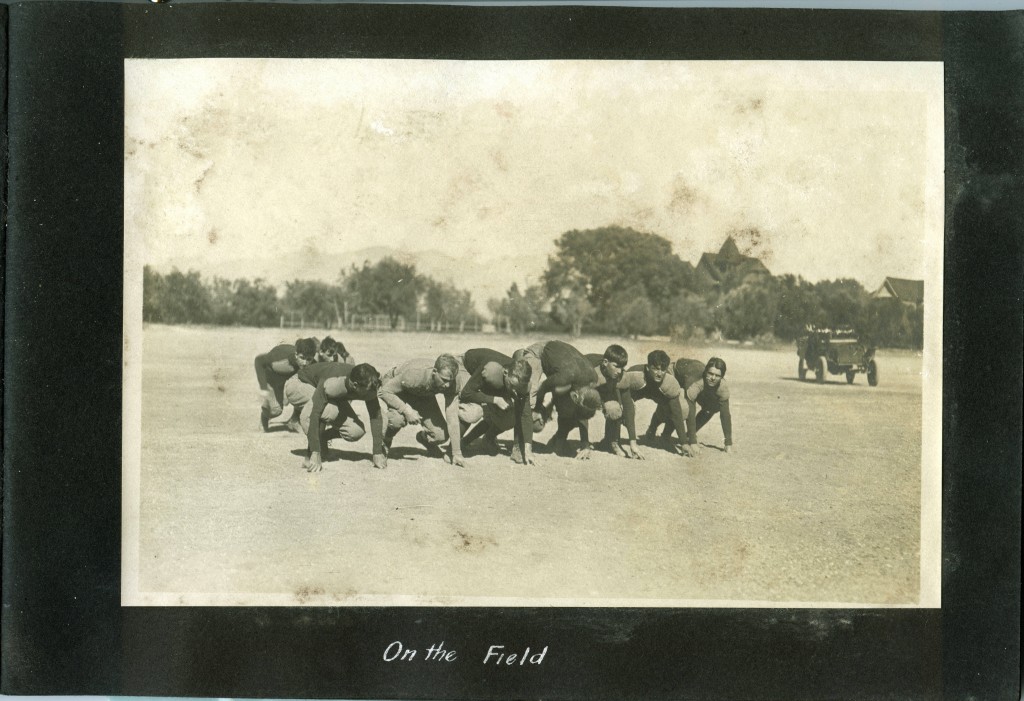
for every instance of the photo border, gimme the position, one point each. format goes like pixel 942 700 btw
pixel 64 629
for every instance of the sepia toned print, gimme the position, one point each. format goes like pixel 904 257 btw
pixel 762 241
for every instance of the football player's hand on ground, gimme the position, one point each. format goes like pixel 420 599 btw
pixel 690 450
pixel 617 450
pixel 313 462
pixel 380 461
pixel 633 451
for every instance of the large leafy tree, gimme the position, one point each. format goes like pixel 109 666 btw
pixel 319 303
pixel 222 302
pixel 154 292
pixel 798 306
pixel 632 313
pixel 748 311
pixel 446 304
pixel 891 323
pixel 688 316
pixel 841 301
pixel 175 298
pixel 571 309
pixel 601 263
pixel 387 287
pixel 522 311
pixel 255 303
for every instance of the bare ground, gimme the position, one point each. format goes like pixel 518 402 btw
pixel 820 502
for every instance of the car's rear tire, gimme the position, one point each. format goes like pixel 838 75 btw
pixel 850 375
pixel 801 369
pixel 872 373
pixel 822 370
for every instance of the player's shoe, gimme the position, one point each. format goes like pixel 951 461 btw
pixel 389 438
pixel 489 443
pixel 559 446
pixel 433 450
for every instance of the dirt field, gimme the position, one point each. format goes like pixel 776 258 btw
pixel 820 501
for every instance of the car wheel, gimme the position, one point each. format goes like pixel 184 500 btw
pixel 872 373
pixel 801 369
pixel 822 369
pixel 850 375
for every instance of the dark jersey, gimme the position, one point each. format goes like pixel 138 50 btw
pixel 636 384
pixel 276 365
pixel 690 374
pixel 314 372
pixel 321 398
pixel 487 381
pixel 564 366
pixel 486 368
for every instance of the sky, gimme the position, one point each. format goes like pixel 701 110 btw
pixel 821 169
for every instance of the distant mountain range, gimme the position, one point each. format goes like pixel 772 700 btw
pixel 485 278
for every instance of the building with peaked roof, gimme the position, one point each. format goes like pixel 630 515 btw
pixel 906 291
pixel 730 266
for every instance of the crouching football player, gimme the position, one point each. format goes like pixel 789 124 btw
pixel 702 385
pixel 574 411
pixel 494 396
pixel 411 391
pixel 274 368
pixel 566 372
pixel 333 351
pixel 651 381
pixel 330 413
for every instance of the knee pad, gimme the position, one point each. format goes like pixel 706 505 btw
pixel 612 410
pixel 330 413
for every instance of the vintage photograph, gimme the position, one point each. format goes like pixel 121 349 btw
pixel 532 333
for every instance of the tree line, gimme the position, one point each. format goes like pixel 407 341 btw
pixel 618 281
pixel 389 288
pixel 611 280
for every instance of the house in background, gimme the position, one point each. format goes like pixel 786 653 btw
pixel 729 267
pixel 906 291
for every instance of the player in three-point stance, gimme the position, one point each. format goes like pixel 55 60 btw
pixel 411 391
pixel 494 396
pixel 273 369
pixel 572 380
pixel 651 381
pixel 703 385
pixel 330 414
pixel 608 368
pixel 333 351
